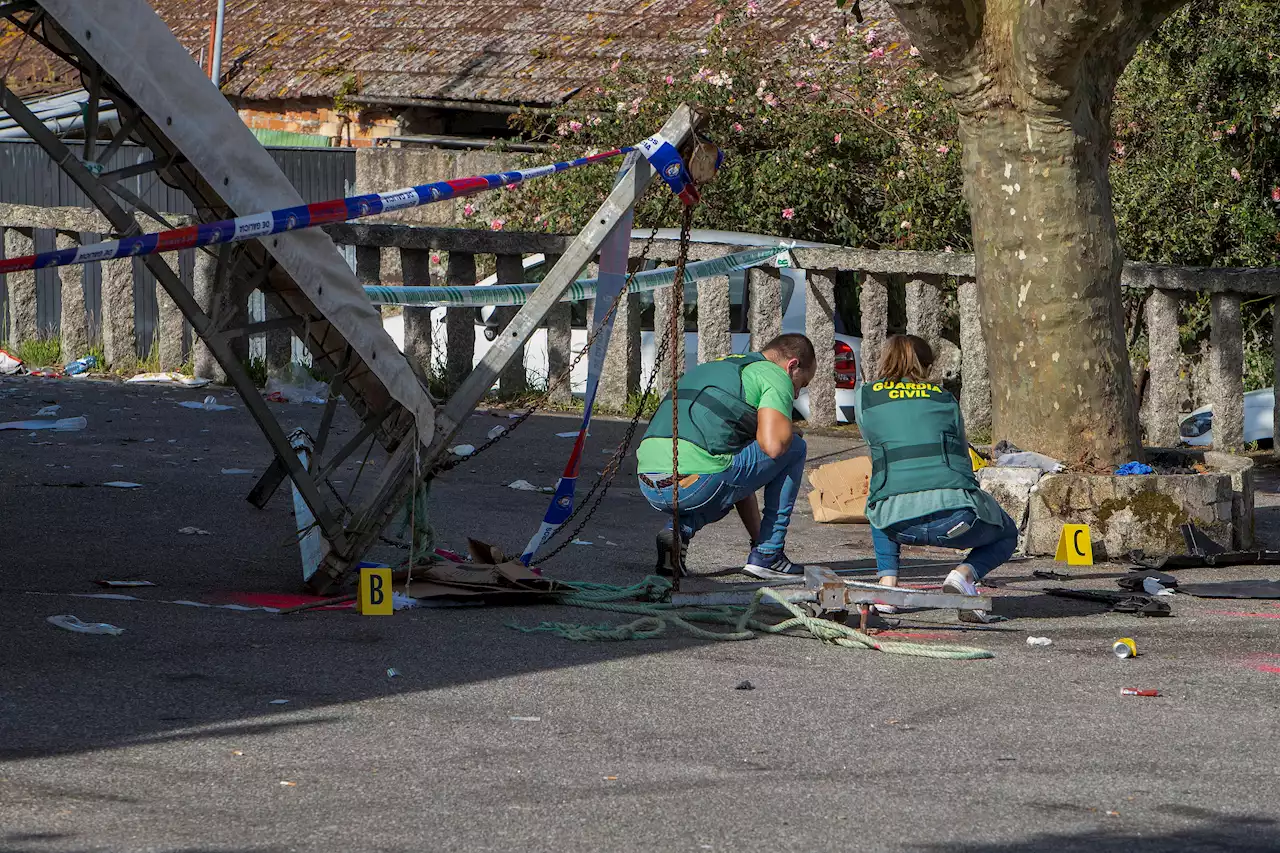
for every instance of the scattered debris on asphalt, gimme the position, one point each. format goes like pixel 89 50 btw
pixel 1133 691
pixel 167 379
pixel 1124 648
pixel 744 685
pixel 525 719
pixel 210 404
pixel 60 425
pixel 118 584
pixel 1039 641
pixel 122 484
pixel 71 623
pixel 193 531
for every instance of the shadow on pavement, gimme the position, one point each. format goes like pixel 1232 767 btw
pixel 1221 832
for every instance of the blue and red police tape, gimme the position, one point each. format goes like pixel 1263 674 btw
pixel 662 155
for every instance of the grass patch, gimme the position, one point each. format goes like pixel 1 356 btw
pixel 45 352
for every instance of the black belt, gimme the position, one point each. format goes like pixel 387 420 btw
pixel 685 482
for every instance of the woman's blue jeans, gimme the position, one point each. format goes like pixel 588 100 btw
pixel 712 496
pixel 991 545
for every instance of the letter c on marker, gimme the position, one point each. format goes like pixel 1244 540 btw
pixel 1075 541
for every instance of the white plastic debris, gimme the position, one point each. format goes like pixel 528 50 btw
pixel 392 672
pixel 582 542
pixel 522 486
pixel 61 425
pixel 167 379
pixel 48 412
pixel 526 719
pixel 278 702
pixel 1027 459
pixel 496 431
pixel 1039 641
pixel 237 471
pixel 122 484
pixel 463 450
pixel 400 601
pixel 193 531
pixel 71 623
pixel 8 364
pixel 573 434
pixel 1151 586
pixel 210 404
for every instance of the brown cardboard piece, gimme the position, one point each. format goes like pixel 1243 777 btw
pixel 499 580
pixel 840 491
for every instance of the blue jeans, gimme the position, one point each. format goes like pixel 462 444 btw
pixel 991 544
pixel 712 496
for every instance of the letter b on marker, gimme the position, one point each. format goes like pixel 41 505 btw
pixel 375 592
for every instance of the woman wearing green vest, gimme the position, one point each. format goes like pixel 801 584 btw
pixel 923 491
pixel 735 437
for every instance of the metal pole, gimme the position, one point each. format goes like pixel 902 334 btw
pixel 215 65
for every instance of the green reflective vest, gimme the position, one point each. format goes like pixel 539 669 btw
pixel 713 414
pixel 916 438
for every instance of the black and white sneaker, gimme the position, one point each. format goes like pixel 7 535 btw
pixel 772 566
pixel 666 550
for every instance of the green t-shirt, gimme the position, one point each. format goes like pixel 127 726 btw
pixel 765 385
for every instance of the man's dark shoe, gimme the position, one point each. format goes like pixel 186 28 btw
pixel 772 566
pixel 666 566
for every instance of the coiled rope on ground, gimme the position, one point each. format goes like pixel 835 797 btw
pixel 649 600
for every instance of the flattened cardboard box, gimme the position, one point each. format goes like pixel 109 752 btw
pixel 840 491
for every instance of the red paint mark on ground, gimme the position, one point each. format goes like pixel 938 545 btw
pixel 1266 668
pixel 281 601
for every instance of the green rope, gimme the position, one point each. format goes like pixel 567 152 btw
pixel 649 600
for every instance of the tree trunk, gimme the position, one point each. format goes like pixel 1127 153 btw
pixel 1033 82
pixel 1048 269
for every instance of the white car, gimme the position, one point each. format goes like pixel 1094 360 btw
pixel 847 347
pixel 1259 407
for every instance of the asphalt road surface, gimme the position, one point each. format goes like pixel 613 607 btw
pixel 166 738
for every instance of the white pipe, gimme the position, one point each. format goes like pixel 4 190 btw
pixel 59 125
pixel 215 68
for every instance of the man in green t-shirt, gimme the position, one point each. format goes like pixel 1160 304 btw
pixel 735 437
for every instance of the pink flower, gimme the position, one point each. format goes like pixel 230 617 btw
pixel 1235 173
pixel 788 213
pixel 836 139
pixel 635 107
pixel 770 99
pixel 1275 194
pixel 905 225
pixel 915 51
pixel 1231 131
pixel 737 127
pixel 814 87
pixel 719 18
pixel 948 250
pixel 435 259
pixel 800 84
pixel 943 149
pixel 818 41
pixel 753 8
pixel 496 225
pixel 669 80
pixel 575 126
pixel 877 53
pixel 468 209
pixel 870 37
pixel 616 63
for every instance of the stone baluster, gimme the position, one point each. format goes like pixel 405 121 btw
pixel 663 307
pixel 279 342
pixel 1160 408
pixel 873 305
pixel 620 377
pixel 21 288
pixel 460 324
pixel 415 266
pixel 204 279
pixel 74 320
pixel 819 324
pixel 169 320
pixel 924 308
pixel 1226 371
pixel 765 302
pixel 119 330
pixel 975 375
pixel 559 345
pixel 715 319
pixel 513 381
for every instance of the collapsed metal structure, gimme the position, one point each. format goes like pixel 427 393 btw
pixel 128 59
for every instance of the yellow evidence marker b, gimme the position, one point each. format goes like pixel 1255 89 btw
pixel 1075 547
pixel 375 593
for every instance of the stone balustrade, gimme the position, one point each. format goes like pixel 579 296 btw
pixel 931 294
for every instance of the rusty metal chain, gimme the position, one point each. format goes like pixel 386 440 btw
pixel 677 328
pixel 674 333
pixel 567 373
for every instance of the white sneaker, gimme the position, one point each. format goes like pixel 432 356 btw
pixel 957 584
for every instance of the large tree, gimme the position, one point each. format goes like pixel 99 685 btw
pixel 1033 82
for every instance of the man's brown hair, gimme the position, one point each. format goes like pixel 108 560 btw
pixel 906 357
